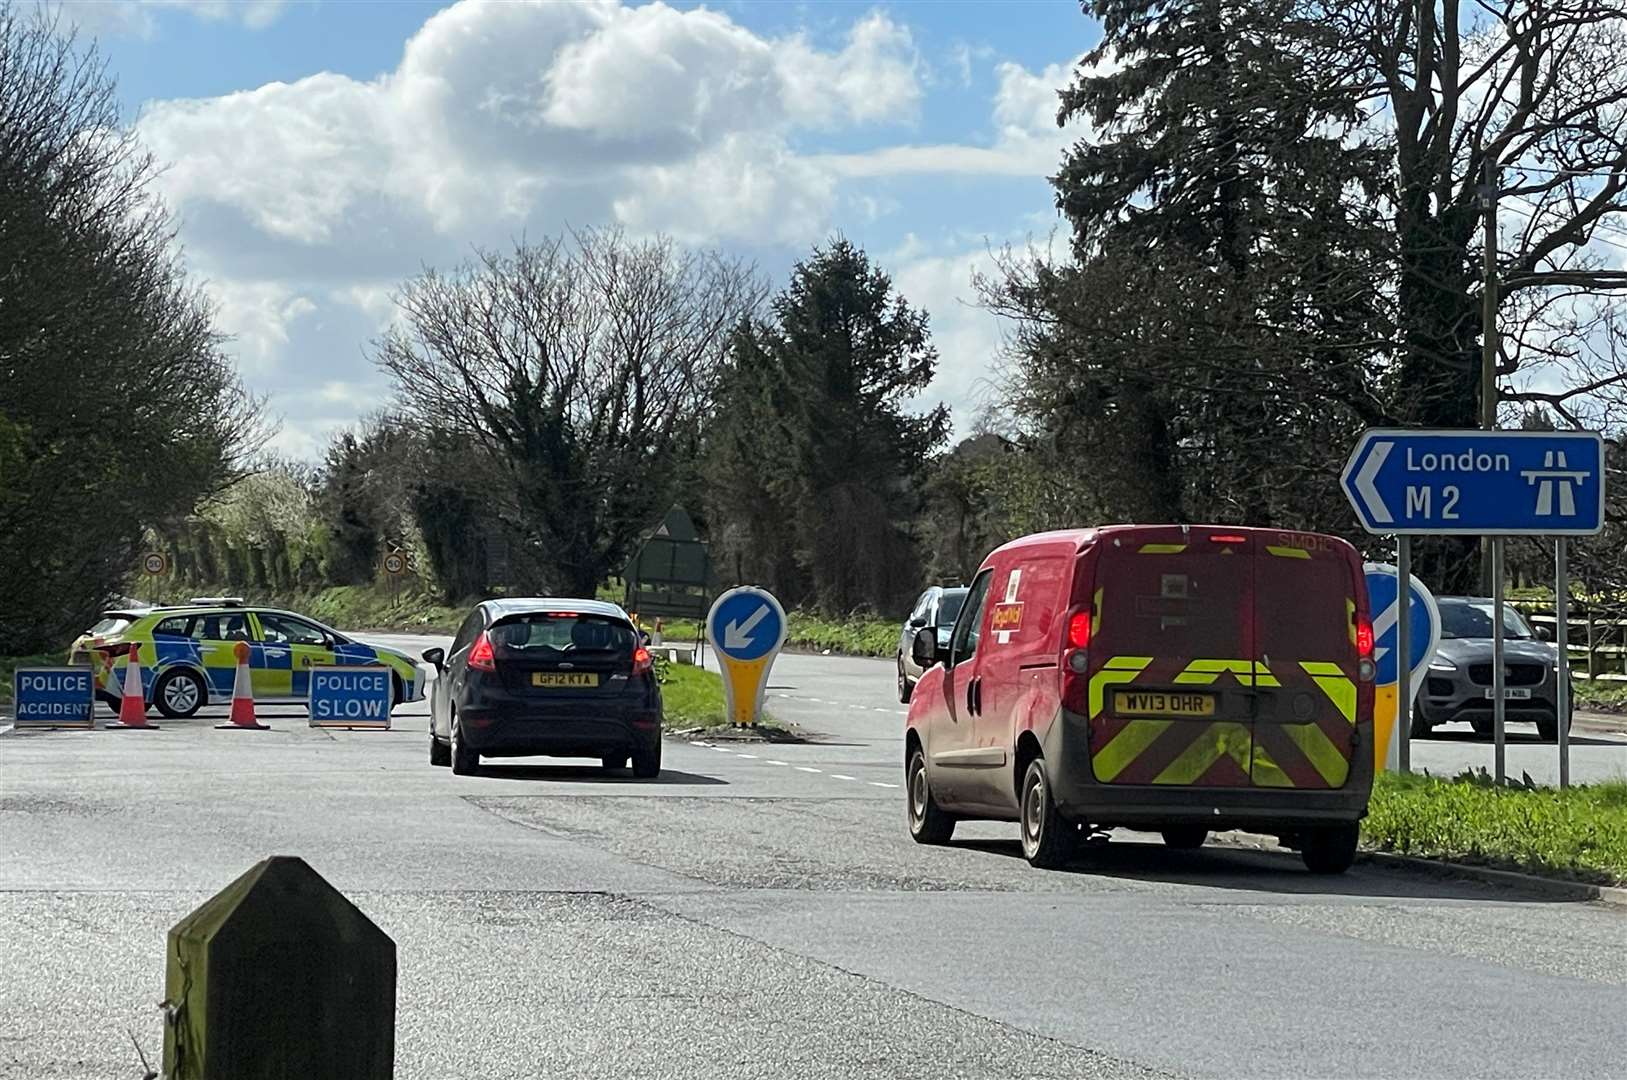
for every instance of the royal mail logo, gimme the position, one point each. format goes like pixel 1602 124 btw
pixel 1007 617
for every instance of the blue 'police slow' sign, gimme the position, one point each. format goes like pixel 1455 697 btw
pixel 56 697
pixel 351 697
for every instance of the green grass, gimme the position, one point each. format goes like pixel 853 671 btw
pixel 1600 695
pixel 8 664
pixel 691 696
pixel 811 633
pixel 1580 832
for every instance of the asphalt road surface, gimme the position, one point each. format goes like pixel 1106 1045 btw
pixel 759 911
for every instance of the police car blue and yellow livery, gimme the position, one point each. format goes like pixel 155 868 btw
pixel 188 655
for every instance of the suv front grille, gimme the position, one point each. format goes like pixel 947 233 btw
pixel 1514 674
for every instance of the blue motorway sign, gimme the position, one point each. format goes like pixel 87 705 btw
pixel 746 624
pixel 1423 628
pixel 1511 483
pixel 351 697
pixel 55 697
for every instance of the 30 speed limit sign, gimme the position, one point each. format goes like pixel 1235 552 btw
pixel 154 563
pixel 395 563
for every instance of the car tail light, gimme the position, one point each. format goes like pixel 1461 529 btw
pixel 642 660
pixel 1077 662
pixel 481 656
pixel 1079 629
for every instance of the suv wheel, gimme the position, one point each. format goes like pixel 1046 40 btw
pixel 1330 849
pixel 1548 729
pixel 179 694
pixel 928 822
pixel 1048 837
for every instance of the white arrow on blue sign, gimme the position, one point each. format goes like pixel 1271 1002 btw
pixel 1423 631
pixel 746 624
pixel 1510 483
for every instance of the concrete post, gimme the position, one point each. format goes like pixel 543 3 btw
pixel 277 976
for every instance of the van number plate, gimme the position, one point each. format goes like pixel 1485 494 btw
pixel 1162 703
pixel 558 679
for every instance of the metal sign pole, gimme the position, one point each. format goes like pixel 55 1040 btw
pixel 1562 590
pixel 1403 659
pixel 1497 654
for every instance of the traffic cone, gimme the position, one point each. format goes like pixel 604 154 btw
pixel 242 718
pixel 133 701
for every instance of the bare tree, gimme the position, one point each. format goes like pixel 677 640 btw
pixel 579 368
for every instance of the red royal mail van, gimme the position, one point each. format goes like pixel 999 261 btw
pixel 1173 678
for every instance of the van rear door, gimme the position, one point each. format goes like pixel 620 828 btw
pixel 1305 633
pixel 1173 657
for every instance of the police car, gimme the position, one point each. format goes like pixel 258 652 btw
pixel 188 654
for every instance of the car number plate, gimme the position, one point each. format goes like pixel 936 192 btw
pixel 564 679
pixel 1162 703
pixel 1513 693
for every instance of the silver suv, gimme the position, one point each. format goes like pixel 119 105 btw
pixel 1458 683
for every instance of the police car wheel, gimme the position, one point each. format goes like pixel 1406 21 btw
pixel 179 694
pixel 928 823
pixel 1330 849
pixel 1048 837
pixel 465 762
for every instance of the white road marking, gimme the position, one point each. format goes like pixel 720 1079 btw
pixel 7 728
pixel 751 756
pixel 805 768
pixel 878 783
pixel 839 776
pixel 722 749
pixel 775 763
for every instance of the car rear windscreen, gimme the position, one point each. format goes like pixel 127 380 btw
pixel 111 624
pixel 551 635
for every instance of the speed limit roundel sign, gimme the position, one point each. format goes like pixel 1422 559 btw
pixel 395 563
pixel 154 563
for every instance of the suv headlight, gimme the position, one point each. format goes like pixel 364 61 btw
pixel 1441 663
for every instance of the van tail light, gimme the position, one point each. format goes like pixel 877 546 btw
pixel 642 661
pixel 1364 638
pixel 481 656
pixel 1228 538
pixel 1079 629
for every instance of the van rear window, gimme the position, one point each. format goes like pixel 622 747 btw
pixel 1174 603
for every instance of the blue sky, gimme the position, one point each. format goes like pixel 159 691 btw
pixel 319 153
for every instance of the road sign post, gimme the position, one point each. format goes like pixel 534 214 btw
pixel 1562 589
pixel 746 627
pixel 351 697
pixel 1486 483
pixel 1404 686
pixel 54 697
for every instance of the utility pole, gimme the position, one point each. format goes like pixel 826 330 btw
pixel 1488 337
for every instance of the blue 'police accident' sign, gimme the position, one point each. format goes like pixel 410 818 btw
pixel 746 624
pixel 1539 483
pixel 56 697
pixel 351 697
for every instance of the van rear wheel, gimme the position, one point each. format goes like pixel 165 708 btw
pixel 1184 837
pixel 928 822
pixel 1049 839
pixel 1331 849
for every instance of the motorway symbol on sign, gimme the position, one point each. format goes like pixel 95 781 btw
pixel 1432 482
pixel 154 562
pixel 747 629
pixel 57 697
pixel 351 697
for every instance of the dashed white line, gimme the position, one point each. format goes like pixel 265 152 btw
pixel 878 783
pixel 751 756
pixel 806 768
pixel 6 728
pixel 722 749
pixel 774 763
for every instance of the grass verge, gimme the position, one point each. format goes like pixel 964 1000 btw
pixel 693 697
pixel 812 633
pixel 1600 695
pixel 9 664
pixel 1578 833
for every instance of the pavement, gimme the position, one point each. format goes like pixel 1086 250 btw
pixel 759 911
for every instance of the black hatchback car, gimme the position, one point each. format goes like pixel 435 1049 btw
pixel 563 678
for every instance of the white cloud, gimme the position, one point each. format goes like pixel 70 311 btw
pixel 256 316
pixel 139 18
pixel 967 336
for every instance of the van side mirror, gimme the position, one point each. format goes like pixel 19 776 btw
pixel 437 657
pixel 924 648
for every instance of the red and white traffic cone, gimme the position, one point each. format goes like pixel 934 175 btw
pixel 133 702
pixel 242 718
